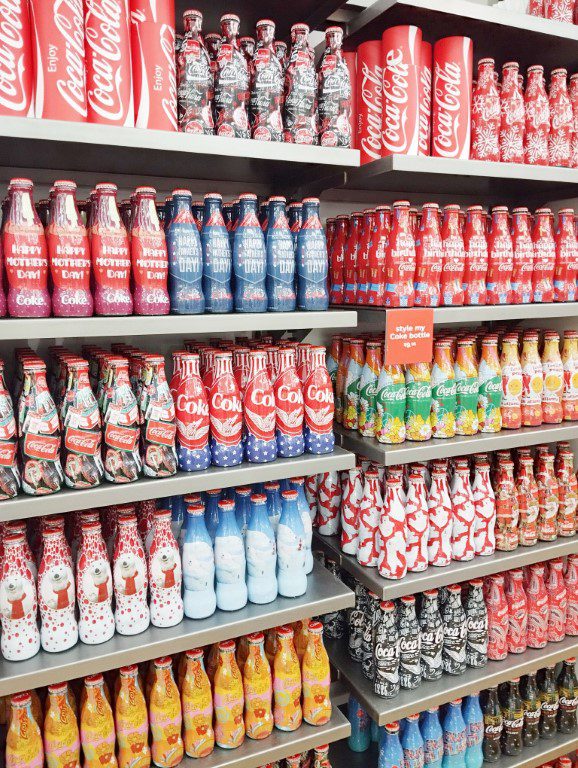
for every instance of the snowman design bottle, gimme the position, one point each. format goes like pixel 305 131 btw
pixel 132 614
pixel 198 566
pixel 291 575
pixel 96 624
pixel 261 552
pixel 230 562
pixel 165 573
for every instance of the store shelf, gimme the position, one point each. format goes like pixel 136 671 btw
pixel 67 500
pixel 325 593
pixel 107 149
pixel 280 744
pixel 505 35
pixel 438 577
pixel 172 325
pixel 448 687
pixel 545 750
pixel 406 452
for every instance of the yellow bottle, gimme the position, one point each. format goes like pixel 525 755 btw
pixel 97 734
pixel 61 735
pixel 166 716
pixel 132 722
pixel 287 711
pixel 316 678
pixel 197 701
pixel 258 689
pixel 228 699
pixel 24 740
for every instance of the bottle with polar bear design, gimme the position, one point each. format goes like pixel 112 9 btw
pixel 198 566
pixel 129 567
pixel 94 587
pixel 197 701
pixel 165 573
pixel 230 561
pixel 291 575
pixel 56 594
pixel 261 553
pixel 18 604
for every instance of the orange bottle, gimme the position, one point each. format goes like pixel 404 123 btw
pixel 166 716
pixel 316 678
pixel 301 637
pixel 61 734
pixel 511 383
pixel 533 381
pixel 258 689
pixel 228 699
pixel 287 711
pixel 242 652
pixel 24 740
pixel 271 645
pixel 132 722
pixel 97 734
pixel 212 662
pixel 553 374
pixel 197 701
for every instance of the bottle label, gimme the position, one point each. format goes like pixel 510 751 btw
pixel 390 404
pixel 418 409
pixel 454 742
pixel 443 413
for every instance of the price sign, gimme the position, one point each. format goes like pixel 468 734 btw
pixel 408 336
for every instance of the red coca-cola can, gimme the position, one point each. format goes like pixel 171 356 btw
pixel 452 97
pixel 16 60
pixel 152 40
pixel 351 61
pixel 369 90
pixel 425 67
pixel 108 67
pixel 59 62
pixel 400 58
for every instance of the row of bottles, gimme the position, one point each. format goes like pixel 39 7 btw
pixel 112 262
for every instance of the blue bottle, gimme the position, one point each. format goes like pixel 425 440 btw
pixel 474 720
pixel 273 495
pixel 185 257
pixel 295 218
pixel 311 260
pixel 217 262
pixel 243 507
pixel 234 218
pixel 374 732
pixel 188 499
pixel 298 484
pixel 212 499
pixel 390 749
pixel 168 213
pixel 198 566
pixel 230 563
pixel 433 738
pixel 198 209
pixel 280 259
pixel 249 258
pixel 412 743
pixel 454 736
pixel 261 553
pixel 264 216
pixel 360 738
pixel 291 576
pixel 178 511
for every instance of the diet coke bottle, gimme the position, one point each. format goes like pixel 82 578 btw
pixel 231 83
pixel 300 93
pixel 537 112
pixel 266 86
pixel 195 84
pixel 334 93
pixel 226 414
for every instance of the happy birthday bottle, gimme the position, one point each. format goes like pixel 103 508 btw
pixel 149 256
pixel 185 257
pixel 217 261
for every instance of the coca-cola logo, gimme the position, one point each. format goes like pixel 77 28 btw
pixel 79 441
pixel 395 102
pixel 106 41
pixel 41 446
pixel 409 645
pixel 447 108
pixel 160 432
pixel 371 96
pixel 386 652
pixel 191 406
pixel 13 91
pixel 69 20
pixel 122 438
pixel 169 103
pixel 7 454
pixel 323 396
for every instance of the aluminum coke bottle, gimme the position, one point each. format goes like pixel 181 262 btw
pixel 369 623
pixel 455 632
pixel 217 262
pixel 386 652
pixel 409 644
pixel 334 623
pixel 249 258
pixel 432 636
pixel 356 622
pixel 476 625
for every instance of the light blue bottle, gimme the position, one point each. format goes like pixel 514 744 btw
pixel 474 720
pixel 433 738
pixel 212 499
pixel 188 499
pixel 298 484
pixel 230 563
pixel 412 743
pixel 390 749
pixel 243 507
pixel 291 576
pixel 454 736
pixel 360 738
pixel 273 494
pixel 198 566
pixel 261 553
pixel 374 732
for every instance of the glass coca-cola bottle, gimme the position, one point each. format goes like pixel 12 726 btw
pixel 513 717
pixel 531 703
pixel 120 417
pixel 249 258
pixel 493 726
pixel 185 257
pixel 217 261
pixel 485 114
pixel 522 291
pixel 537 112
pixel 266 86
pixel 300 93
pixel 231 83
pixel 500 258
pixel 452 290
pixel 561 120
pixel 247 47
pixel 334 93
pixel 157 417
pixel 149 256
pixel 512 116
pixel 9 474
pixel 195 84
pixel 567 697
pixel 566 257
pixel 476 252
pixel 311 260
pixel 548 693
pixel 429 258
pixel 544 256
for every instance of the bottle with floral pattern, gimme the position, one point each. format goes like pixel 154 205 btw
pixel 165 573
pixel 316 678
pixel 258 689
pixel 94 587
pixel 132 613
pixel 97 734
pixel 61 734
pixel 228 698
pixel 166 717
pixel 287 712
pixel 56 593
pixel 132 722
pixel 197 703
pixel 24 739
pixel 18 603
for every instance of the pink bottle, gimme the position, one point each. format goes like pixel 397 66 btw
pixel 571 581
pixel 512 116
pixel 18 603
pixel 500 258
pixel 165 573
pixel 557 601
pixel 94 587
pixel 561 120
pixel 25 254
pixel 544 256
pixel 129 567
pixel 417 523
pixel 537 111
pixel 517 611
pixel 485 506
pixel 452 290
pixel 439 545
pixel 352 491
pixel 538 611
pixel 149 256
pixel 463 512
pixel 523 251
pixel 429 258
pixel 498 622
pixel 109 247
pixel 565 271
pixel 485 114
pixel 392 562
pixel 68 254
pixel 370 512
pixel 400 259
pixel 56 592
pixel 476 257
pixel 328 503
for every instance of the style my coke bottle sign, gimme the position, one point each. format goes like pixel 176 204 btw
pixel 408 336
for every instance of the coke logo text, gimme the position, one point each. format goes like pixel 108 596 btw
pixel 396 98
pixel 168 49
pixel 324 395
pixel 288 395
pixel 13 94
pixel 103 36
pixel 371 95
pixel 69 21
pixel 447 82
pixel 230 404
pixel 191 407
pixel 262 399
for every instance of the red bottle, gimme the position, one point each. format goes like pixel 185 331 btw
pixel 571 581
pixel 289 408
pixel 537 111
pixel 500 258
pixel 226 414
pixel 485 114
pixel 517 611
pixel 561 120
pixel 536 8
pixel 512 116
pixel 377 248
pixel 9 475
pixel 566 267
pixel 266 86
pixel 149 256
pixel 523 248
pixel 560 10
pixel 573 94
pixel 537 608
pixel 476 257
pixel 497 607
pixel 157 417
pixel 429 258
pixel 548 498
pixel 300 90
pixel 120 418
pixel 350 258
pixel 363 257
pixel 507 512
pixel 544 256
pixel 557 601
pixel 195 84
pixel 231 83
pixel 452 291
pixel 337 260
pixel 400 259
pixel 567 491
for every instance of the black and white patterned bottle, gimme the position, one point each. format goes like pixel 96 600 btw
pixel 409 643
pixel 356 622
pixel 455 632
pixel 334 623
pixel 431 635
pixel 371 619
pixel 476 625
pixel 386 652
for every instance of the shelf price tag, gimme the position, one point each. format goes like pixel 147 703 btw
pixel 408 336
